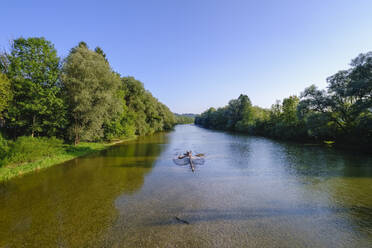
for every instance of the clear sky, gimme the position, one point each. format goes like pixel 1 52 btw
pixel 194 54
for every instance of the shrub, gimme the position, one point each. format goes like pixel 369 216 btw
pixel 4 149
pixel 28 149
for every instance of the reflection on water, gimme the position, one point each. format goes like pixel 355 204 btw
pixel 250 192
pixel 72 205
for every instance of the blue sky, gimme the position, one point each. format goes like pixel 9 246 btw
pixel 194 54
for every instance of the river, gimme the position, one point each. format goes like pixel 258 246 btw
pixel 250 192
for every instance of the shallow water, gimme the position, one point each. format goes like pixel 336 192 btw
pixel 250 192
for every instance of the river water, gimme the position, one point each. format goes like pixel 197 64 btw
pixel 250 192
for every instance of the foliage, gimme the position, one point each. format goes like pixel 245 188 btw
pixel 184 118
pixel 120 127
pixel 80 99
pixel 28 149
pixel 234 117
pixel 37 107
pixel 145 111
pixel 342 113
pixel 6 94
pixel 4 149
pixel 91 91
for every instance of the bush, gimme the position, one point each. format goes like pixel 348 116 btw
pixel 28 149
pixel 4 149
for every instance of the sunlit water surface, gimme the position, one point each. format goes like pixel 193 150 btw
pixel 251 192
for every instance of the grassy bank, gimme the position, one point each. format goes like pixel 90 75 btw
pixel 63 154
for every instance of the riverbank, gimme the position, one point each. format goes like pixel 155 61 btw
pixel 349 147
pixel 68 152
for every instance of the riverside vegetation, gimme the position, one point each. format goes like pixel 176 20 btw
pixel 185 118
pixel 340 114
pixel 47 104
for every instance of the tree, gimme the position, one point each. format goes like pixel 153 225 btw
pixel 184 118
pixel 120 127
pixel 360 85
pixel 100 52
pixel 338 111
pixel 167 117
pixel 92 93
pixel 133 94
pixel 82 44
pixel 237 109
pixel 289 108
pixel 5 94
pixel 314 110
pixel 4 62
pixel 342 112
pixel 149 115
pixel 37 106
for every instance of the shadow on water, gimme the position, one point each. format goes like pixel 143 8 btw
pixel 72 204
pixel 241 214
pixel 323 161
pixel 299 159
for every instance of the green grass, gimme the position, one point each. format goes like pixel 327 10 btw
pixel 67 152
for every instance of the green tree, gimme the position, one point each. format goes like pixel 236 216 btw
pixel 100 52
pixel 237 109
pixel 184 119
pixel 342 112
pixel 149 115
pixel 166 116
pixel 37 106
pixel 134 98
pixel 92 92
pixel 4 62
pixel 289 108
pixel 120 127
pixel 5 94
pixel 360 85
pixel 337 113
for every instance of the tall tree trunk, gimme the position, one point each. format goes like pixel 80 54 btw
pixel 77 140
pixel 77 136
pixel 33 126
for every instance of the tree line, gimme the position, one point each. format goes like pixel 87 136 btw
pixel 342 112
pixel 184 118
pixel 78 98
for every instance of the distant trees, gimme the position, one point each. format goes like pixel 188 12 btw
pixel 184 118
pixel 234 117
pixel 283 121
pixel 78 99
pixel 342 113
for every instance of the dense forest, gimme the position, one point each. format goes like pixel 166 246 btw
pixel 342 113
pixel 44 98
